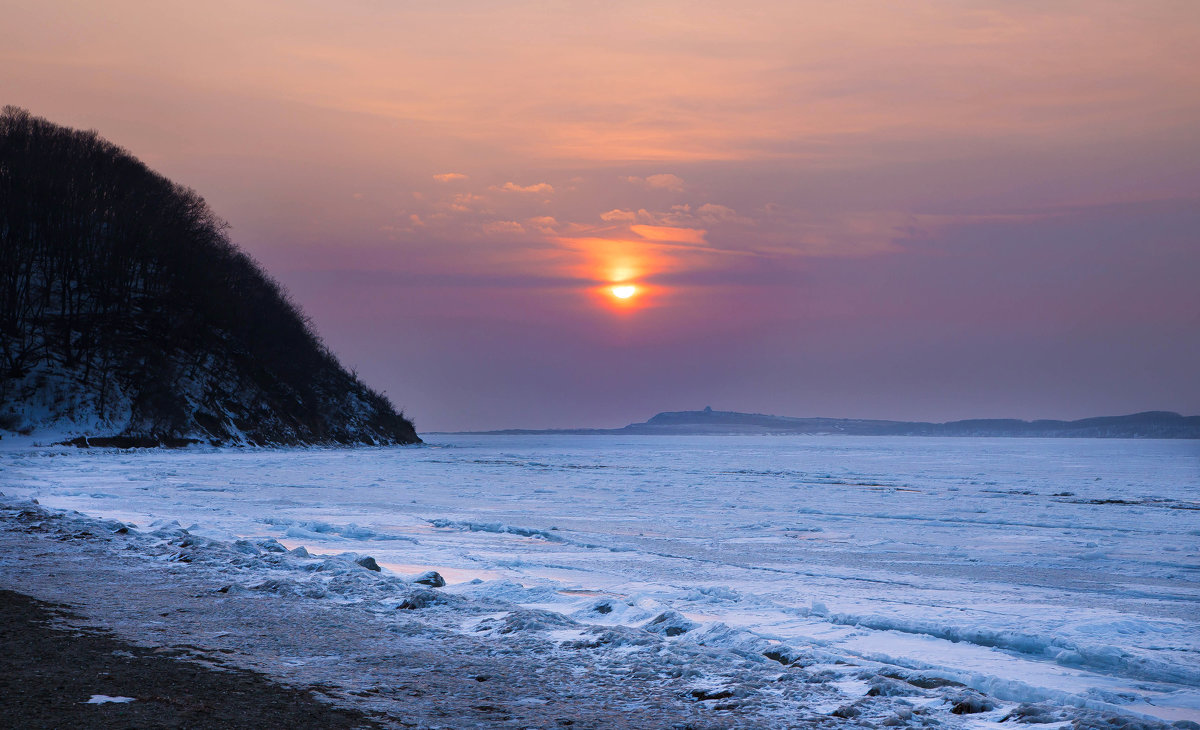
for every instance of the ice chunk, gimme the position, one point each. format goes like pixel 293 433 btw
pixel 670 623
pixel 105 699
pixel 430 578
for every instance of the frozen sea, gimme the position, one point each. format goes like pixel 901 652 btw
pixel 1061 570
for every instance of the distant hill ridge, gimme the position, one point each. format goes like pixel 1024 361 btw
pixel 1150 424
pixel 127 315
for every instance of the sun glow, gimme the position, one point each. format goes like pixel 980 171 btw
pixel 624 291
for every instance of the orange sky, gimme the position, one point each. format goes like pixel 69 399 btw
pixel 436 171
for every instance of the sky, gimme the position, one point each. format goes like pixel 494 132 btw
pixel 928 210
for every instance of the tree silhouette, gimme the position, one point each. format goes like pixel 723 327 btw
pixel 126 285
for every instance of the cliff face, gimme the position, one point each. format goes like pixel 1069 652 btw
pixel 126 311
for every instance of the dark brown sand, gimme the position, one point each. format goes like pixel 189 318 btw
pixel 48 671
pixel 402 669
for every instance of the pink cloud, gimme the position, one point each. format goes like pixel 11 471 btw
pixel 543 223
pixel 662 181
pixel 504 227
pixel 512 187
pixel 617 215
pixel 665 182
pixel 715 213
pixel 466 202
pixel 670 233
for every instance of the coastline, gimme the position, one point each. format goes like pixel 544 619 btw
pixel 395 672
pixel 408 656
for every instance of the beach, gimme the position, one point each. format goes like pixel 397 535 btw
pixel 694 582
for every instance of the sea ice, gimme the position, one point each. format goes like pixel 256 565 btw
pixel 1034 571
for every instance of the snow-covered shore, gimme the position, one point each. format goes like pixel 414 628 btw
pixel 768 596
pixel 411 655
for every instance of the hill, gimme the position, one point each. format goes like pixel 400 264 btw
pixel 127 314
pixel 1151 424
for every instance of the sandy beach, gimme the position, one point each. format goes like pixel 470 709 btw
pixel 395 673
pixel 203 633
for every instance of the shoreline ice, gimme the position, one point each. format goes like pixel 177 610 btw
pixel 792 580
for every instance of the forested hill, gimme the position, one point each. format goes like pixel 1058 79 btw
pixel 125 311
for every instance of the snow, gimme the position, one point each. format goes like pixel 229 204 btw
pixel 105 699
pixel 1029 570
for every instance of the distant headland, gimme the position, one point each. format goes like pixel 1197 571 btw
pixel 1150 424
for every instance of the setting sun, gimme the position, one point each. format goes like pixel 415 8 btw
pixel 624 291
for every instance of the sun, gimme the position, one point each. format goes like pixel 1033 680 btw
pixel 624 291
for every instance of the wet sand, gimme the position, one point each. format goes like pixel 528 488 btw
pixel 203 658
pixel 49 671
